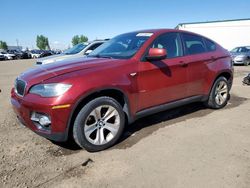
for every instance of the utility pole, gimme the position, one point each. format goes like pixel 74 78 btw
pixel 17 44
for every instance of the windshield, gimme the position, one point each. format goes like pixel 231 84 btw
pixel 75 49
pixel 244 49
pixel 121 47
pixel 234 50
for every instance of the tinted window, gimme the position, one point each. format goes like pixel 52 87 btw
pixel 193 44
pixel 211 46
pixel 94 46
pixel 235 50
pixel 244 49
pixel 75 49
pixel 123 46
pixel 171 42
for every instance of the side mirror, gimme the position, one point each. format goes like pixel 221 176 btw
pixel 156 54
pixel 88 52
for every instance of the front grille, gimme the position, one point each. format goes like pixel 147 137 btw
pixel 20 86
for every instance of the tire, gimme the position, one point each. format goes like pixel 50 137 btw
pixel 247 62
pixel 219 95
pixel 99 124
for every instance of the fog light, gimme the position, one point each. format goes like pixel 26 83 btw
pixel 42 119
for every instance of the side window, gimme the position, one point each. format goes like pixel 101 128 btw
pixel 211 46
pixel 94 46
pixel 171 42
pixel 243 49
pixel 193 44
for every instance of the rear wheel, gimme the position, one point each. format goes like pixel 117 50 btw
pixel 99 124
pixel 219 94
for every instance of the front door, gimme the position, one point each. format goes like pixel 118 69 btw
pixel 163 81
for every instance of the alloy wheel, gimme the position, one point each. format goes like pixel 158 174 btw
pixel 102 125
pixel 221 93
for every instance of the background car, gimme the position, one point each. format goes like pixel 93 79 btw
pixel 76 51
pixel 241 55
pixel 46 53
pixel 35 53
pixel 2 57
pixel 8 56
pixel 25 55
pixel 57 51
pixel 19 54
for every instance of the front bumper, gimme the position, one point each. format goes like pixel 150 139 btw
pixel 239 61
pixel 23 107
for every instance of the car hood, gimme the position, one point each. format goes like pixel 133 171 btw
pixel 54 58
pixel 240 56
pixel 41 73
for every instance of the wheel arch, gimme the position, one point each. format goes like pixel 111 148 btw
pixel 227 74
pixel 115 93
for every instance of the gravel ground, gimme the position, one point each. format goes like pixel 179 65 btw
pixel 186 147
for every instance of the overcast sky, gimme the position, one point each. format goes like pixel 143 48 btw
pixel 60 20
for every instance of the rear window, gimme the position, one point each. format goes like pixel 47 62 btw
pixel 193 44
pixel 211 46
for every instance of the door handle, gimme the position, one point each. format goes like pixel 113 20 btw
pixel 183 64
pixel 133 74
pixel 213 58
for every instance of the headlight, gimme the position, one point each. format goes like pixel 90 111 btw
pixel 50 90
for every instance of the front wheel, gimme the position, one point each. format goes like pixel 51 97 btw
pixel 99 124
pixel 219 94
pixel 247 61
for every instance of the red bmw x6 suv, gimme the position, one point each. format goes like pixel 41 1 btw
pixel 131 76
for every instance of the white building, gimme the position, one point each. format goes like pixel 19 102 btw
pixel 228 33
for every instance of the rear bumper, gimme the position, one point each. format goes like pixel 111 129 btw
pixel 58 129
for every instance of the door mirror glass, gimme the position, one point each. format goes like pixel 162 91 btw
pixel 88 52
pixel 156 54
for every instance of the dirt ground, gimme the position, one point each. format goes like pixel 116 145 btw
pixel 186 147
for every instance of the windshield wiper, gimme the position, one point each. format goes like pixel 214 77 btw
pixel 101 56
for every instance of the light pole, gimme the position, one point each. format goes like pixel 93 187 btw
pixel 17 44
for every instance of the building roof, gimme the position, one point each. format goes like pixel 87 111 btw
pixel 217 21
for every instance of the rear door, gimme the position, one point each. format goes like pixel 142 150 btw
pixel 196 59
pixel 163 81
